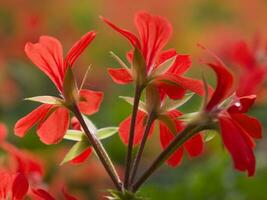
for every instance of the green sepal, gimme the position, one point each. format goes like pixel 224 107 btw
pixel 126 195
pixel 139 68
pixel 46 100
pixel 70 89
pixel 168 122
pixel 130 100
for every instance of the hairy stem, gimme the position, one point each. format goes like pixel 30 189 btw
pixel 150 120
pixel 99 149
pixel 179 140
pixel 138 91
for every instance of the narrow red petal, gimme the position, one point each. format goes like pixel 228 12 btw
pixel 52 129
pixel 47 56
pixel 130 36
pixel 124 128
pixel 78 48
pixel 120 76
pixel 20 187
pixel 224 84
pixel 5 184
pixel 90 101
pixel 44 195
pixel 27 122
pixel 82 156
pixel 240 150
pixel 195 145
pixel 250 124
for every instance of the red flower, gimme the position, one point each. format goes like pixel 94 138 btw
pixel 194 146
pixel 250 63
pixel 53 120
pixel 238 130
pixel 165 69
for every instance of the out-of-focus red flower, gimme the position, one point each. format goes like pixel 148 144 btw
pixel 53 120
pixel 238 130
pixel 250 64
pixel 154 32
pixel 193 146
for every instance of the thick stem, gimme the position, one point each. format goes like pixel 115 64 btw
pixel 180 139
pixel 138 91
pixel 150 120
pixel 99 149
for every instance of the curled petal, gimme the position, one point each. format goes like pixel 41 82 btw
pixel 47 56
pixel 238 146
pixel 120 76
pixel 78 48
pixel 124 128
pixel 53 129
pixel 90 101
pixel 224 84
pixel 243 104
pixel 83 156
pixel 20 187
pixel 130 36
pixel 25 123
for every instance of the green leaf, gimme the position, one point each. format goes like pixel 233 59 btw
pixel 209 135
pixel 74 135
pixel 163 67
pixel 70 89
pixel 172 105
pixel 46 99
pixel 106 132
pixel 75 150
pixel 130 100
pixel 139 67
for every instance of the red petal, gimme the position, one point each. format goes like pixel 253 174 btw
pixel 25 123
pixel 53 129
pixel 243 55
pixel 155 32
pixel 4 184
pixel 165 139
pixel 47 56
pixel 3 132
pixel 20 187
pixel 224 84
pixel 165 55
pixel 83 156
pixel 130 36
pixel 195 145
pixel 243 104
pixel 78 48
pixel 236 144
pixel 120 76
pixel 43 194
pixel 250 124
pixel 75 124
pixel 67 195
pixel 124 128
pixel 173 91
pixel 90 101
pixel 193 85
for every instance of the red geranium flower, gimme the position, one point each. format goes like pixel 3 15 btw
pixel 238 130
pixel 169 125
pixel 164 69
pixel 53 119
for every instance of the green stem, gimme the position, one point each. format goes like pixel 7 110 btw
pixel 99 149
pixel 150 120
pixel 138 91
pixel 179 140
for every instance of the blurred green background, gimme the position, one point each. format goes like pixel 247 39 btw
pixel 209 22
